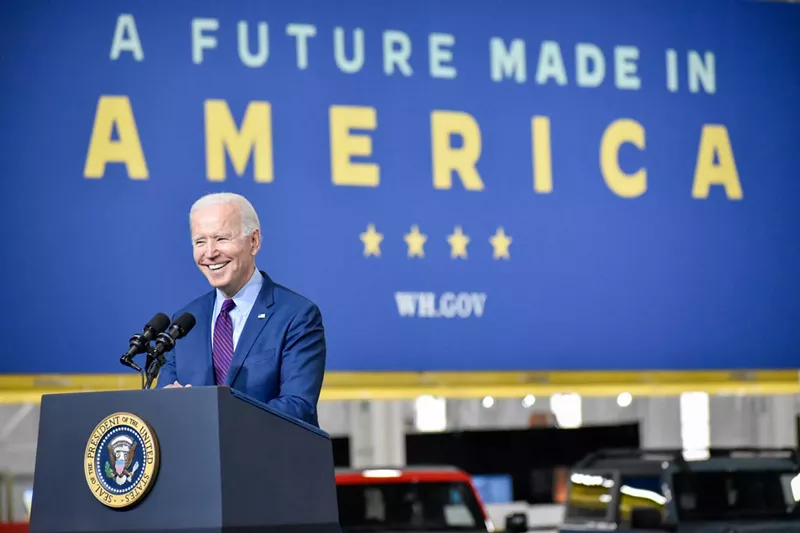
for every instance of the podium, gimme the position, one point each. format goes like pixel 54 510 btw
pixel 191 460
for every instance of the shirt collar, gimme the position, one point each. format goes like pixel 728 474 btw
pixel 247 294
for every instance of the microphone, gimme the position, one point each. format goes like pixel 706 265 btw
pixel 139 343
pixel 165 341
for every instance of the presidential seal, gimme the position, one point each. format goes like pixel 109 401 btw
pixel 121 460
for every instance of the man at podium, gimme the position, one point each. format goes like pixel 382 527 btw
pixel 252 334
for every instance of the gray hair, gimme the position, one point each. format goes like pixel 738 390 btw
pixel 250 221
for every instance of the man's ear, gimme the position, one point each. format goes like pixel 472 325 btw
pixel 255 241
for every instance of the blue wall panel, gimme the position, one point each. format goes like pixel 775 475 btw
pixel 691 265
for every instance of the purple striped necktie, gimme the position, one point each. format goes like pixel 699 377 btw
pixel 222 346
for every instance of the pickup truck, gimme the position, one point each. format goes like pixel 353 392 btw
pixel 741 490
pixel 413 499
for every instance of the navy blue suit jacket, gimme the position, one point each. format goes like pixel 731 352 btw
pixel 279 359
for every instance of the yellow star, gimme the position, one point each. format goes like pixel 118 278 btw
pixel 372 241
pixel 500 242
pixel 458 243
pixel 415 241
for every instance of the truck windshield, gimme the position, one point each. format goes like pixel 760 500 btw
pixel 737 495
pixel 424 506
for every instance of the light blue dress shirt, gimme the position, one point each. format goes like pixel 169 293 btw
pixel 244 300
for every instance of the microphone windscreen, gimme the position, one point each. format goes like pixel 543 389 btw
pixel 185 323
pixel 159 323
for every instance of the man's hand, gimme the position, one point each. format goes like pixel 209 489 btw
pixel 176 385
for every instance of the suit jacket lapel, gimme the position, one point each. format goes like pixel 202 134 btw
pixel 204 355
pixel 252 328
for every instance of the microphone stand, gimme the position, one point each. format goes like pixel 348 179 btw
pixel 155 360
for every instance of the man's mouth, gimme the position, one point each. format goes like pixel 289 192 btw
pixel 216 266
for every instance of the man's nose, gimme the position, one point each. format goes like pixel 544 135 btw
pixel 211 249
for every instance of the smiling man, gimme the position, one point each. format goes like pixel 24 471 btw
pixel 252 334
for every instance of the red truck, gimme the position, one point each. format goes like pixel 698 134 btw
pixel 413 499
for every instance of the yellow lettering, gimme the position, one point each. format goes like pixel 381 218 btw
pixel 115 111
pixel 624 185
pixel 344 145
pixel 446 158
pixel 714 140
pixel 255 136
pixel 542 155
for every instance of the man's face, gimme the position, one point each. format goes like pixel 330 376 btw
pixel 222 252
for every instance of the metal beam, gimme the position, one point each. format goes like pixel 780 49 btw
pixel 406 385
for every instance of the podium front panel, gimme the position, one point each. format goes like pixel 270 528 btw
pixel 186 492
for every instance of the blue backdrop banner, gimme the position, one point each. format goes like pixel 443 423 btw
pixel 474 185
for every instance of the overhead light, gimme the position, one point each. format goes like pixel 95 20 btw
pixel 624 399
pixel 430 413
pixel 567 410
pixel 528 400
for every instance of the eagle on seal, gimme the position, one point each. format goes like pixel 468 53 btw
pixel 122 454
